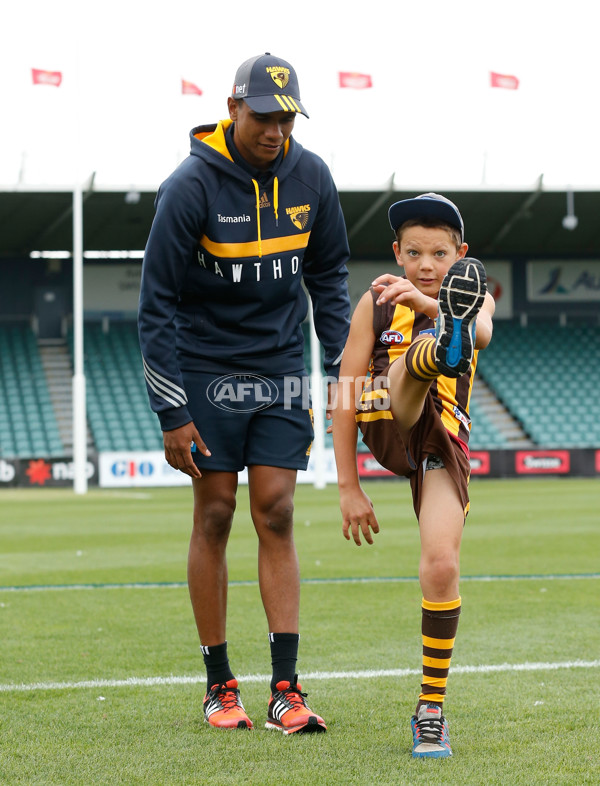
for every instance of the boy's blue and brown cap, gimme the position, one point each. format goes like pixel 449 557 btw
pixel 268 84
pixel 430 204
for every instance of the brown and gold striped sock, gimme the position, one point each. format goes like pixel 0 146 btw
pixel 439 623
pixel 420 359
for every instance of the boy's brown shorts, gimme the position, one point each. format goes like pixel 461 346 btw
pixel 428 437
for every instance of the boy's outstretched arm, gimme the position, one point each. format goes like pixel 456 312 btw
pixel 484 329
pixel 357 510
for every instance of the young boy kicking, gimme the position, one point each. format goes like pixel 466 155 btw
pixel 405 380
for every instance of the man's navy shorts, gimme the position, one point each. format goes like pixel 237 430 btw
pixel 250 419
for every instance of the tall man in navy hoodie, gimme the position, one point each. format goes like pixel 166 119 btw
pixel 239 225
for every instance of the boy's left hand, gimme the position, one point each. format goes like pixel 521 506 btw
pixel 399 291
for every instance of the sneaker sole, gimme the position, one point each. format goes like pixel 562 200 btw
pixel 460 299
pixel 436 754
pixel 312 726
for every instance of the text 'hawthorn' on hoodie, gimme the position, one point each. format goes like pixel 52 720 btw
pixel 223 269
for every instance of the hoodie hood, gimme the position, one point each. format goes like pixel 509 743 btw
pixel 208 143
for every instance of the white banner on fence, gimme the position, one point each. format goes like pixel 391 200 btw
pixel 111 289
pixel 563 281
pixel 126 469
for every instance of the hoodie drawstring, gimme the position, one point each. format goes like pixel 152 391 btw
pixel 275 209
pixel 256 191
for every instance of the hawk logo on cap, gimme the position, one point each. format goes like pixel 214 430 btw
pixel 280 75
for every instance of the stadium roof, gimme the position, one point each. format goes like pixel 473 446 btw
pixel 499 223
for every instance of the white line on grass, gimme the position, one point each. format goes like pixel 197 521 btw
pixel 136 682
pixel 254 582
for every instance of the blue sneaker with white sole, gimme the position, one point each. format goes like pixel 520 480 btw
pixel 460 299
pixel 430 733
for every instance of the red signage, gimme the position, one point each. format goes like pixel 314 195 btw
pixel 189 88
pixel 542 462
pixel 52 78
pixel 506 81
pixel 354 80
pixel 369 467
pixel 480 462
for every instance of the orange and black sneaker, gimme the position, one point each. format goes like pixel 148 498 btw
pixel 223 707
pixel 289 713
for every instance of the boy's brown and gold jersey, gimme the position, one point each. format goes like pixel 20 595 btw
pixel 395 328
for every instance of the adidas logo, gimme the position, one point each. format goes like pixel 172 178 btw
pixel 279 708
pixel 264 200
pixel 212 706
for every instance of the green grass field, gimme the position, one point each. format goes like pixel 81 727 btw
pixel 101 678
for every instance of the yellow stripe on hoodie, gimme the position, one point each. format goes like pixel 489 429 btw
pixel 251 249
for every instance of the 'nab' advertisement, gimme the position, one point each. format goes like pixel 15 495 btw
pixel 43 472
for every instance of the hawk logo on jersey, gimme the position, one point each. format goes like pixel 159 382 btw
pixel 299 220
pixel 391 337
pixel 279 74
pixel 298 215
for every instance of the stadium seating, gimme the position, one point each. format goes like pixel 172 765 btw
pixel 484 433
pixel 548 376
pixel 118 413
pixel 545 375
pixel 28 424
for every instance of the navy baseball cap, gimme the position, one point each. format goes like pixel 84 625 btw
pixel 268 84
pixel 430 204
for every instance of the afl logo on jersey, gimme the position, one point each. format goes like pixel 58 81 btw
pixel 391 337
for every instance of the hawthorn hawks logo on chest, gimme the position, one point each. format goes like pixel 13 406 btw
pixel 299 215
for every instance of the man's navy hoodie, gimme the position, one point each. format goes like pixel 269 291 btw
pixel 222 275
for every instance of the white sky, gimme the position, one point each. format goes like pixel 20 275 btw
pixel 431 117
